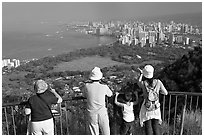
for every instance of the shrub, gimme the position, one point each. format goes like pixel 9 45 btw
pixel 193 123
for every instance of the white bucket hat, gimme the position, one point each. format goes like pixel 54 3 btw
pixel 96 74
pixel 41 86
pixel 148 71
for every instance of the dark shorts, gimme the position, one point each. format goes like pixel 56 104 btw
pixel 127 128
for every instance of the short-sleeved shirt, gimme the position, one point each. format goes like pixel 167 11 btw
pixel 39 110
pixel 155 114
pixel 95 93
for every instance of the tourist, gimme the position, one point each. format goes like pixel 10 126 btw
pixel 95 93
pixel 38 106
pixel 150 113
pixel 127 110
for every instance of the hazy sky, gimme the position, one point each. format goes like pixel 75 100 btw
pixel 20 13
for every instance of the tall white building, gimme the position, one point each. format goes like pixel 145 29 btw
pixel 10 63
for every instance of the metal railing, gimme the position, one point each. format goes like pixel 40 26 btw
pixel 72 119
pixel 174 109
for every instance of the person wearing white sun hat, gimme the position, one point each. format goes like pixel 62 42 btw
pixel 95 93
pixel 150 113
pixel 38 107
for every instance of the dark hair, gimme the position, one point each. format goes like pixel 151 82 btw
pixel 95 80
pixel 149 81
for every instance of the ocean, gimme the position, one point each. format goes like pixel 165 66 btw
pixel 27 44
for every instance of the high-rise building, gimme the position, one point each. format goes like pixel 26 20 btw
pixel 187 41
pixel 151 39
pixel 123 40
pixel 161 36
pixel 141 35
pixel 186 28
pixel 11 65
pixel 159 26
pixel 179 39
pixel 170 28
pixel 6 62
pixel 98 31
pixel 136 41
pixel 143 42
pixel 191 29
pixel 171 39
pixel 158 38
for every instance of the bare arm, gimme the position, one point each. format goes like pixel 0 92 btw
pixel 116 102
pixel 163 89
pixel 109 92
pixel 56 95
pixel 27 111
pixel 139 80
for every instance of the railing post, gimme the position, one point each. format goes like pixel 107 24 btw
pixel 13 120
pixel 7 126
pixel 183 115
pixel 197 102
pixel 169 112
pixel 66 118
pixel 115 120
pixel 175 115
pixel 163 107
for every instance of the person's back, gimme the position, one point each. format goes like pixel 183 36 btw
pixel 96 93
pixel 150 113
pixel 96 108
pixel 39 108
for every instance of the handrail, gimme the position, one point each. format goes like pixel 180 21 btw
pixel 79 98
pixel 169 108
pixel 185 93
pixel 24 102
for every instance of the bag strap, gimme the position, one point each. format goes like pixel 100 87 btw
pixel 147 87
pixel 46 105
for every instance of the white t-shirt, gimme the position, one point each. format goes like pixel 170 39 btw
pixel 95 93
pixel 128 114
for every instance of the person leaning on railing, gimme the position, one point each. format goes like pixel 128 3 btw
pixel 38 107
pixel 150 113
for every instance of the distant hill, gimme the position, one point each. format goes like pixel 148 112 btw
pixel 185 74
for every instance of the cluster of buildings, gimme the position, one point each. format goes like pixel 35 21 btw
pixel 99 28
pixel 10 63
pixel 139 33
pixel 156 33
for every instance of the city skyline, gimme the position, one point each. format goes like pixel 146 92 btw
pixel 15 14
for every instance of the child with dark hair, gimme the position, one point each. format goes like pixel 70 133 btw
pixel 128 114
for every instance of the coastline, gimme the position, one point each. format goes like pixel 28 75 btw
pixel 36 46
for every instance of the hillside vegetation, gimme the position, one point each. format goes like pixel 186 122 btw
pixel 185 74
pixel 17 85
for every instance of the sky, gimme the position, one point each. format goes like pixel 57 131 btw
pixel 16 13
